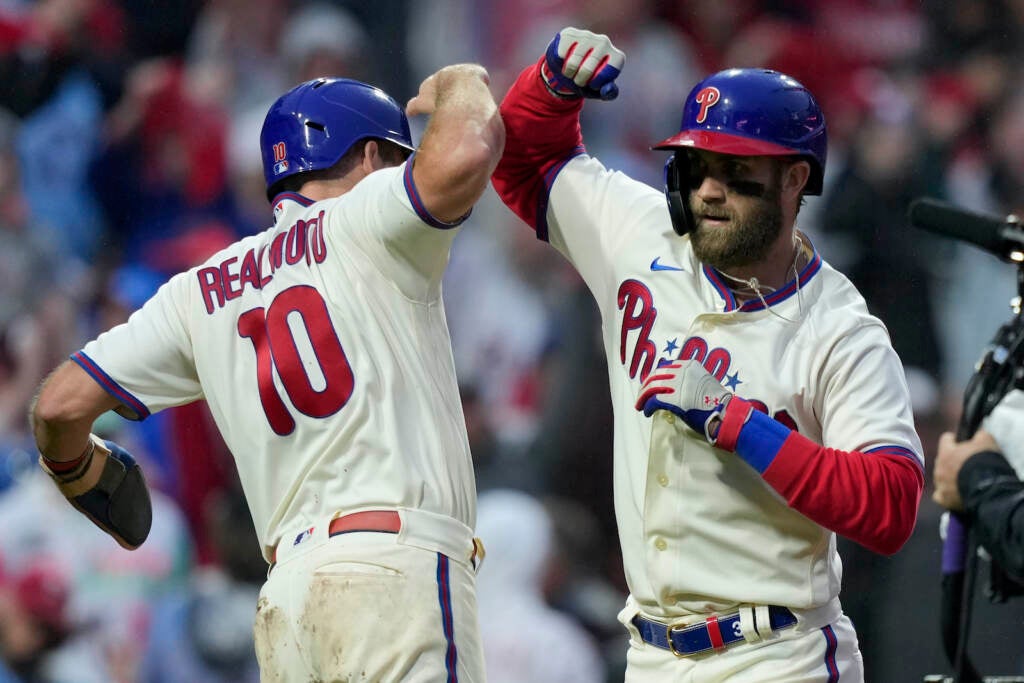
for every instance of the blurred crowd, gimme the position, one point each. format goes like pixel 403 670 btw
pixel 129 151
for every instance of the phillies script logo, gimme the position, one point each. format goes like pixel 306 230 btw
pixel 280 165
pixel 707 98
pixel 638 352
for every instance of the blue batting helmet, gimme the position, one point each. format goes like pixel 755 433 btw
pixel 311 126
pixel 754 112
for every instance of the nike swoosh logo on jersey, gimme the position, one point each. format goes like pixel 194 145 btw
pixel 655 265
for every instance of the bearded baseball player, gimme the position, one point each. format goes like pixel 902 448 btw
pixel 760 410
pixel 322 349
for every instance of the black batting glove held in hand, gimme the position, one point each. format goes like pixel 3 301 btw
pixel 107 486
pixel 579 63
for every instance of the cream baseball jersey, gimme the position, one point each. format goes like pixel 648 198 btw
pixel 322 350
pixel 700 529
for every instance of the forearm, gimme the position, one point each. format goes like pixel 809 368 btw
pixel 465 110
pixel 993 498
pixel 61 441
pixel 542 131
pixel 64 411
pixel 99 478
pixel 871 498
pixel 463 140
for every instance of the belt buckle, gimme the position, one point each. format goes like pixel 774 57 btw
pixel 671 643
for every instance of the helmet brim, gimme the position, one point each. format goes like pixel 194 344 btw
pixel 724 143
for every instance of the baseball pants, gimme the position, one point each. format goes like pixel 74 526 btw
pixel 372 606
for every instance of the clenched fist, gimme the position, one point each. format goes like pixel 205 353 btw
pixel 579 63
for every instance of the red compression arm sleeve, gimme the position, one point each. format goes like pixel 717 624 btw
pixel 871 498
pixel 542 132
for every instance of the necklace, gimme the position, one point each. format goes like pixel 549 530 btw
pixel 752 288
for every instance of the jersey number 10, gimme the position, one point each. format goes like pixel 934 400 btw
pixel 276 349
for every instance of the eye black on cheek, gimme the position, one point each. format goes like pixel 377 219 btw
pixel 747 188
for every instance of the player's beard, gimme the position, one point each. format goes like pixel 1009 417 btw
pixel 746 239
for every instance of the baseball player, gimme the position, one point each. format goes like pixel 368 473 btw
pixel 760 410
pixel 322 349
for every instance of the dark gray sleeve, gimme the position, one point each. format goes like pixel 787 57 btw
pixel 993 497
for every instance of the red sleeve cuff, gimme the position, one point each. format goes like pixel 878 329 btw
pixel 735 415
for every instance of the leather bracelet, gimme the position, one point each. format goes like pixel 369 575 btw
pixel 62 467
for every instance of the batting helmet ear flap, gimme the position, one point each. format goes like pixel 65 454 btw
pixel 678 207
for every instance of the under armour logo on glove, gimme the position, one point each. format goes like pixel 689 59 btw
pixel 687 390
pixel 579 63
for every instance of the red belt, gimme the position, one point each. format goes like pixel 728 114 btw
pixel 382 521
pixel 385 521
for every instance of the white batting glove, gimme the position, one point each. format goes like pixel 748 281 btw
pixel 687 390
pixel 579 63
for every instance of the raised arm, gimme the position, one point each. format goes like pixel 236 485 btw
pixel 541 111
pixel 463 141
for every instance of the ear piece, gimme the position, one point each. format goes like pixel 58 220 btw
pixel 678 208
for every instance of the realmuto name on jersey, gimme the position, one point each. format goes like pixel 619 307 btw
pixel 303 242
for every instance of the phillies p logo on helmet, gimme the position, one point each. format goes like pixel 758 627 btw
pixel 754 112
pixel 707 98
